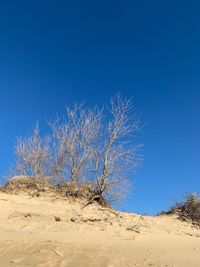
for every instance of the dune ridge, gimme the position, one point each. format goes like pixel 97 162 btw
pixel 52 231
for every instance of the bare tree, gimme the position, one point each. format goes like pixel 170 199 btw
pixel 86 145
pixel 32 155
pixel 73 137
pixel 100 149
pixel 115 153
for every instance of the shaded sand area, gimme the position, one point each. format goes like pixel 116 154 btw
pixel 47 231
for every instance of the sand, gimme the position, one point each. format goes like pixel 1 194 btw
pixel 46 231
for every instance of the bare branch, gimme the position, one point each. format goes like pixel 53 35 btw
pixel 74 136
pixel 32 155
pixel 115 153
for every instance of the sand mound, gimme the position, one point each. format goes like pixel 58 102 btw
pixel 49 231
pixel 43 186
pixel 26 183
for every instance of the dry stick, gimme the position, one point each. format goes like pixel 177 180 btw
pixel 91 201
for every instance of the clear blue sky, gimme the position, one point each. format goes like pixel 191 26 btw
pixel 55 52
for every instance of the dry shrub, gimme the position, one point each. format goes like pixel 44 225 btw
pixel 85 190
pixel 188 210
pixel 27 183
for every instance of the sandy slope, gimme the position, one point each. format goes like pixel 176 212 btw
pixel 93 236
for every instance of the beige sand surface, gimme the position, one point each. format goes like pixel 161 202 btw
pixel 32 235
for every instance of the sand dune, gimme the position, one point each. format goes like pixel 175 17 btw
pixel 46 231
